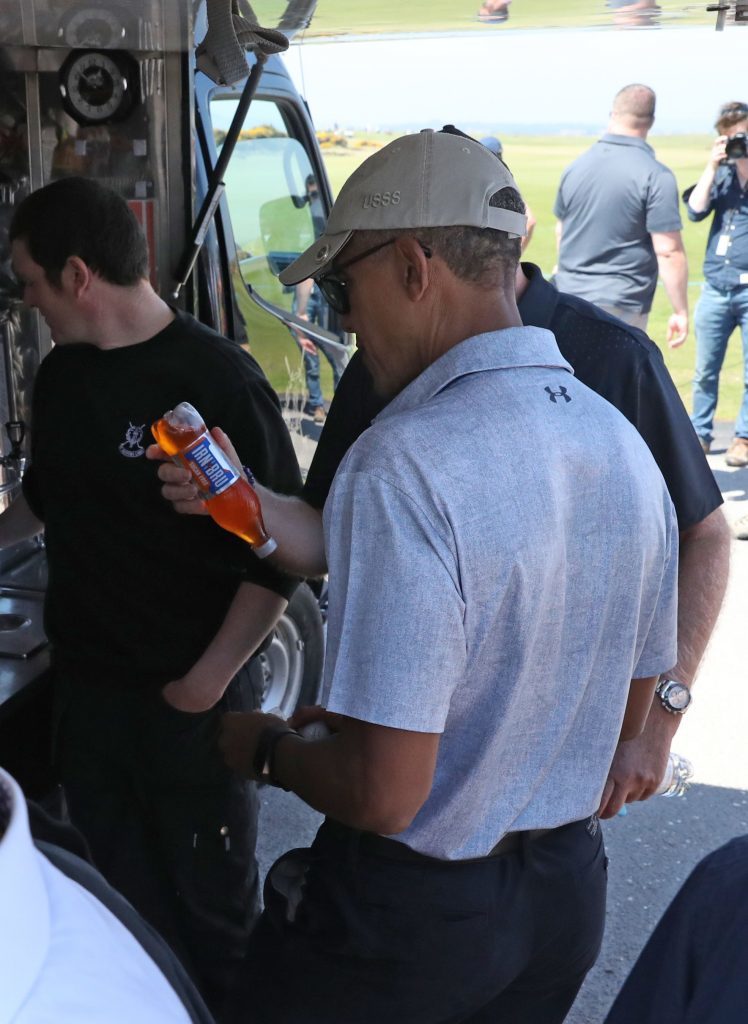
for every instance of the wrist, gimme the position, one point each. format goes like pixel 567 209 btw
pixel 263 762
pixel 673 695
pixel 206 687
pixel 661 725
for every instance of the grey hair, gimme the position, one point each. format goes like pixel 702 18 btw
pixel 481 256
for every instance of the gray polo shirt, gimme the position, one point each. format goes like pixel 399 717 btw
pixel 503 555
pixel 611 199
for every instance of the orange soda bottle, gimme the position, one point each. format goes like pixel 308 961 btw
pixel 229 499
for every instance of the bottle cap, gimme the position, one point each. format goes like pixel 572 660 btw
pixel 265 549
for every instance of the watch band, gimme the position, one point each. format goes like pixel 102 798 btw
pixel 264 756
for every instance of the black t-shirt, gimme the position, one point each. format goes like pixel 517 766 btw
pixel 136 591
pixel 617 361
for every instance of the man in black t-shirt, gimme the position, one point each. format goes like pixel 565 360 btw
pixel 152 616
pixel 625 367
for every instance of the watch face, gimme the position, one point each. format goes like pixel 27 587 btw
pixel 96 87
pixel 678 696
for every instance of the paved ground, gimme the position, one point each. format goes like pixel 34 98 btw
pixel 654 847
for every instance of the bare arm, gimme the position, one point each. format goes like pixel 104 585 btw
pixel 673 267
pixel 251 615
pixel 303 291
pixel 701 195
pixel 366 776
pixel 295 526
pixel 297 530
pixel 531 222
pixel 703 570
pixel 639 764
pixel 638 704
pixel 18 522
pixel 559 234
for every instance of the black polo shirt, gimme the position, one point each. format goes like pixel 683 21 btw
pixel 617 361
pixel 725 265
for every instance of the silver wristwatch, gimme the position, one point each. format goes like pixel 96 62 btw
pixel 675 697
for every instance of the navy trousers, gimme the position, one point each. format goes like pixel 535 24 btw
pixel 351 936
pixel 694 969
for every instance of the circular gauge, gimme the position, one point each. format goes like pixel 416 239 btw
pixel 92 26
pixel 97 87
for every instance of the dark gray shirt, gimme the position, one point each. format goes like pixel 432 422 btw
pixel 611 200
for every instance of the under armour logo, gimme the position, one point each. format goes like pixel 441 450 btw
pixel 561 393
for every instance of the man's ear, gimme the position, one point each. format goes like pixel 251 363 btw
pixel 76 274
pixel 416 267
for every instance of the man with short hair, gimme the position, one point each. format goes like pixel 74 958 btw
pixel 623 365
pixel 152 618
pixel 496 626
pixel 619 224
pixel 723 305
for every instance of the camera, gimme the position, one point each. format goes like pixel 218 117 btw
pixel 736 148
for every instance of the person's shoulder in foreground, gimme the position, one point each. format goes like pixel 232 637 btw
pixel 623 365
pixel 694 968
pixel 71 949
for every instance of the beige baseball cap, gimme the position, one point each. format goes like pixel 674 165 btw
pixel 427 180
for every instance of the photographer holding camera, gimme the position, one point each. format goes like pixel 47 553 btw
pixel 723 190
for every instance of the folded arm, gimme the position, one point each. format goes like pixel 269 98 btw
pixel 251 615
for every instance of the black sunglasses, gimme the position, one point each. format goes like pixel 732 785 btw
pixel 335 288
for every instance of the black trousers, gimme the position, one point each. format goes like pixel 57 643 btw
pixel 350 936
pixel 167 824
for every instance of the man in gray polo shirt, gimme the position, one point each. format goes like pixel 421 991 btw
pixel 496 625
pixel 619 222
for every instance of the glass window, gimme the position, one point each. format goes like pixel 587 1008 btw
pixel 276 212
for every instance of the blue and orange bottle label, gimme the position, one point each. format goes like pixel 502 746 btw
pixel 213 472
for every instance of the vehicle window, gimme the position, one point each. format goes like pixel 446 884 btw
pixel 276 212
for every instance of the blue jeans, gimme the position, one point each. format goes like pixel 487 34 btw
pixel 717 315
pixel 311 369
pixel 317 313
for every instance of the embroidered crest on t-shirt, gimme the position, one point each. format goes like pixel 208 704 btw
pixel 131 447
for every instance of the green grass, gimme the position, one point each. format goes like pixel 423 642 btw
pixel 537 163
pixel 341 17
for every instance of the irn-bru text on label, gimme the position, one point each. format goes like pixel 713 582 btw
pixel 212 470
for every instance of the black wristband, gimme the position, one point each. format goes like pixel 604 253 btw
pixel 262 763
